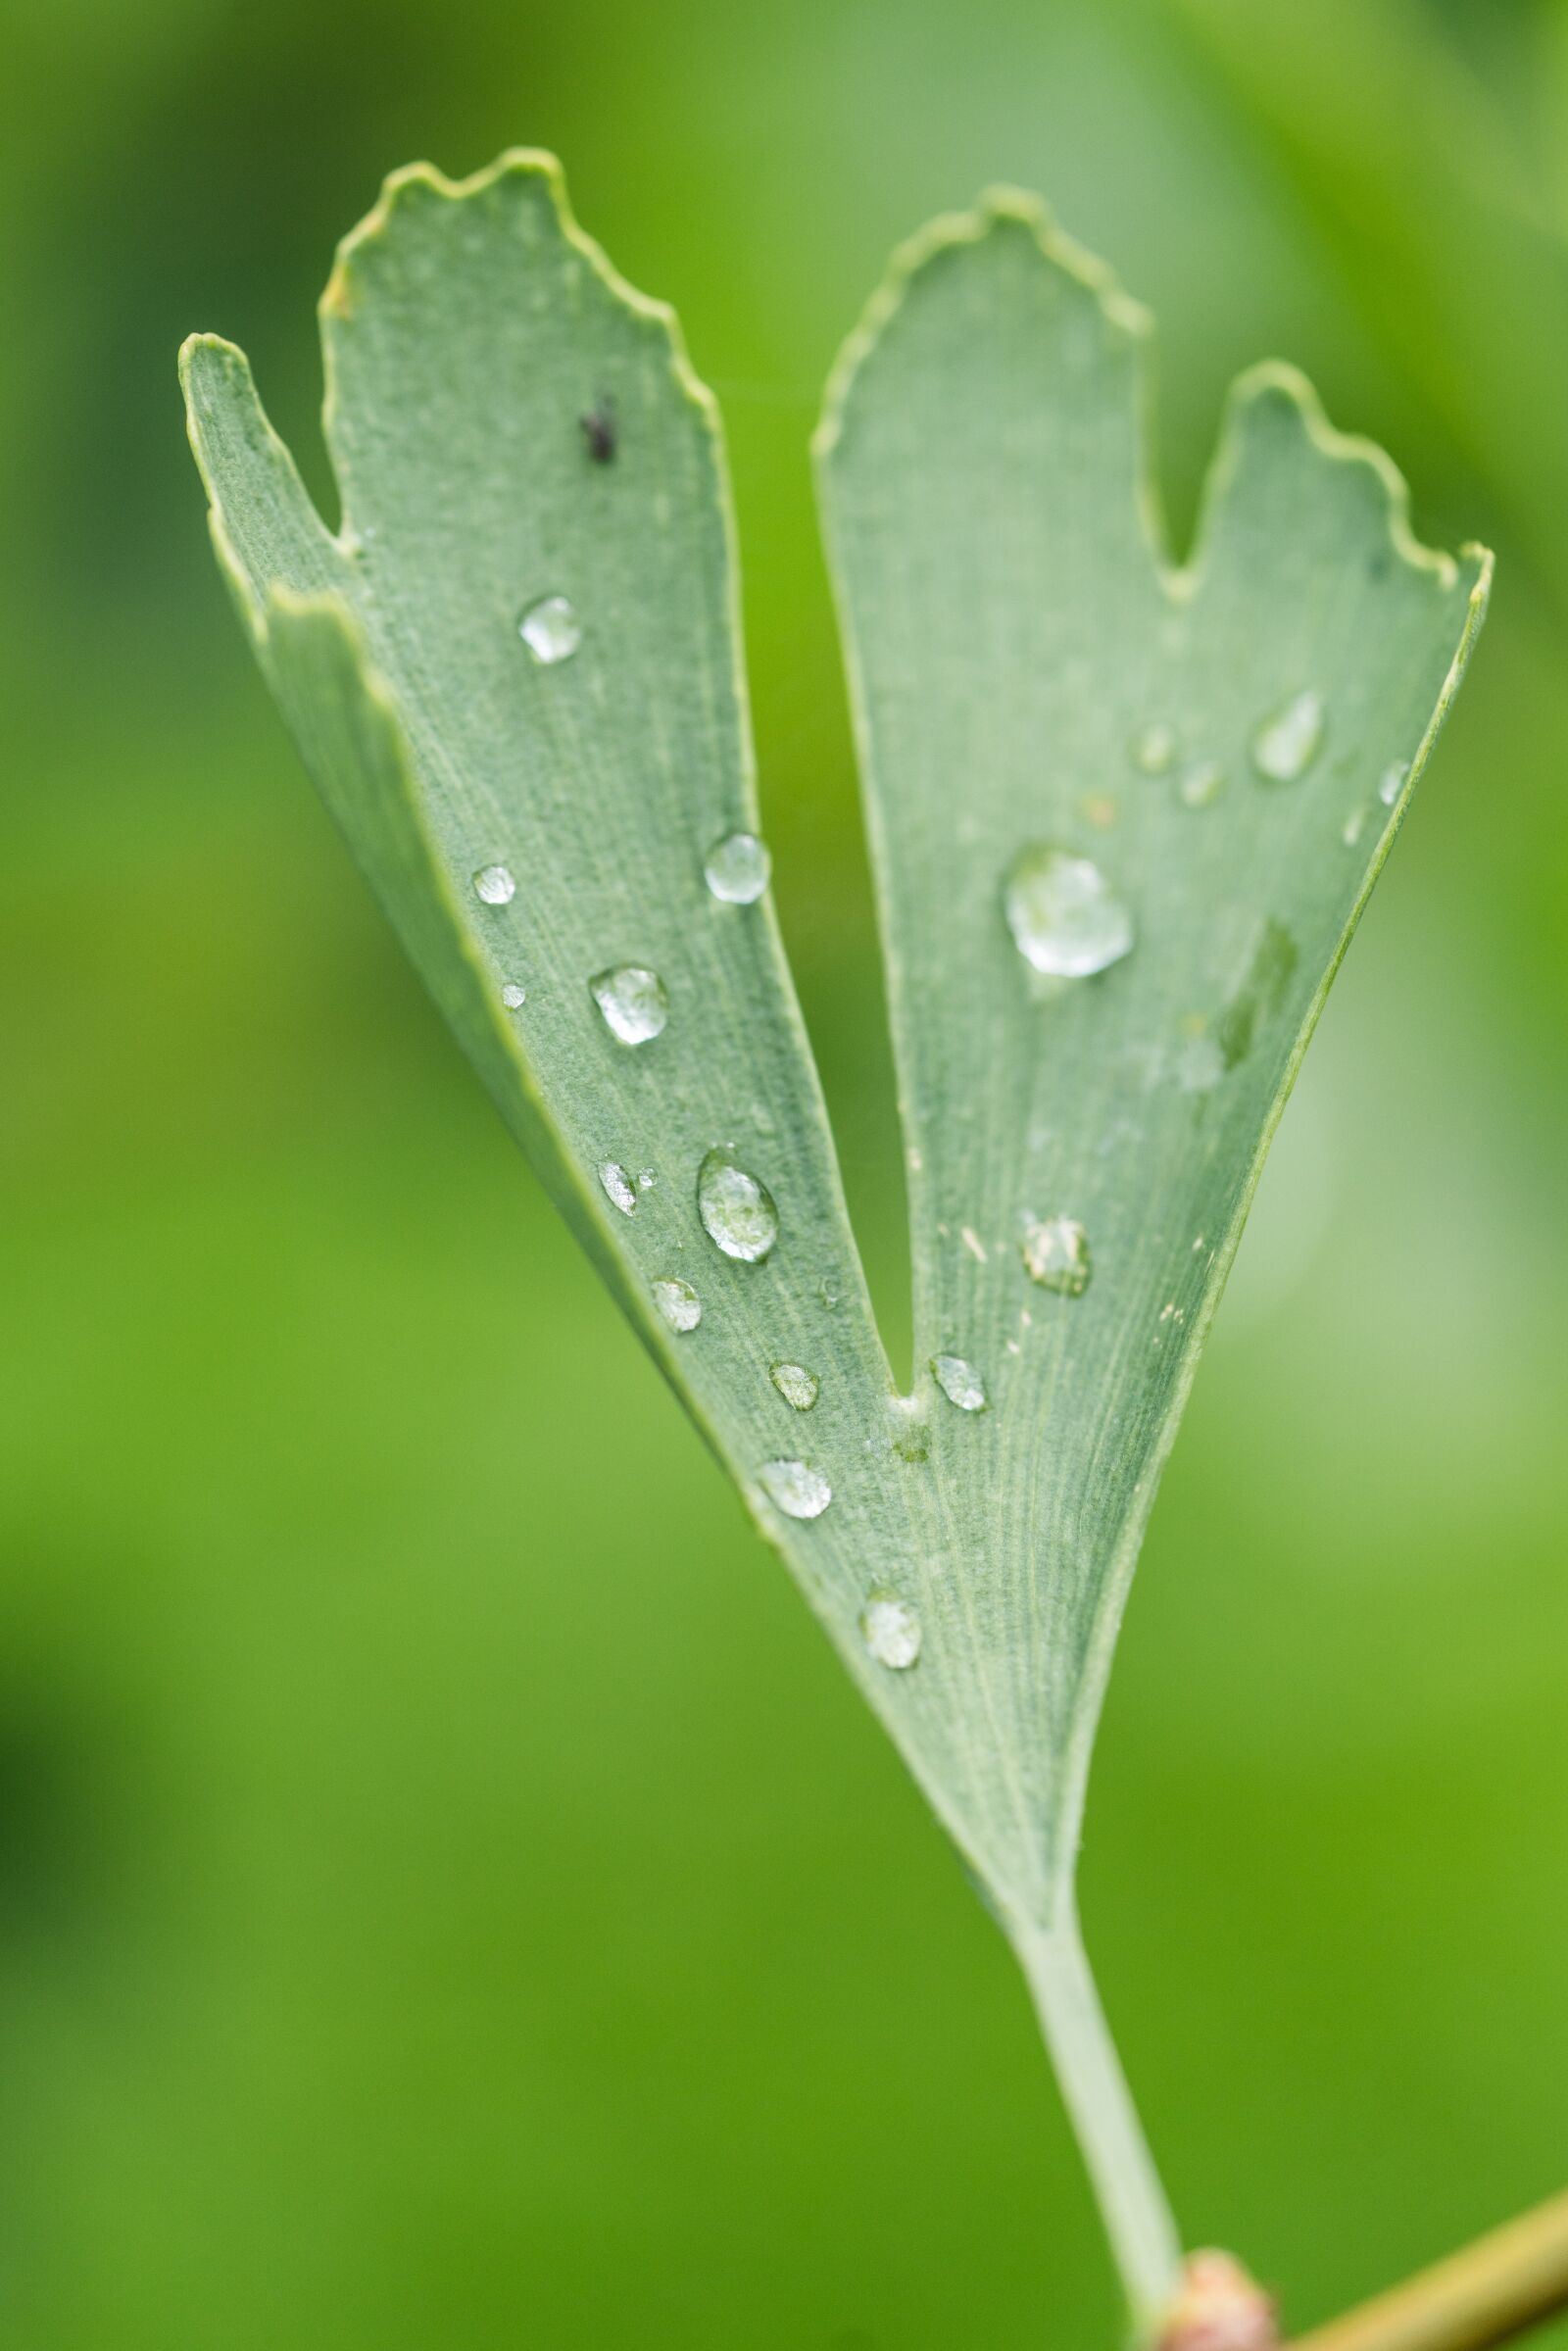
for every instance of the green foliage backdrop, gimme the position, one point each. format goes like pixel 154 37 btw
pixel 449 1894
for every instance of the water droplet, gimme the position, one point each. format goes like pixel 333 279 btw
pixel 678 1303
pixel 1055 1252
pixel 1355 826
pixel 551 629
pixel 737 868
pixel 1063 914
pixel 959 1383
pixel 796 1488
pixel 633 1001
pixel 1391 783
pixel 1199 1065
pixel 908 1432
pixel 1202 784
pixel 737 1211
pixel 514 995
pixel 829 1292
pixel 891 1630
pixel 1153 748
pixel 619 1189
pixel 796 1384
pixel 494 885
pixel 1288 742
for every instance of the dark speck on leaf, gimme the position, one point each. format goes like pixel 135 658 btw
pixel 598 431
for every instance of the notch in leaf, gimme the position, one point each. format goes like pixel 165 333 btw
pixel 1123 817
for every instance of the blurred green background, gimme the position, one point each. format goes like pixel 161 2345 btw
pixel 449 1897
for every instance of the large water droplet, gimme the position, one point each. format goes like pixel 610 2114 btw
pixel 494 885
pixel 737 868
pixel 1062 914
pixel 619 1189
pixel 1055 1252
pixel 796 1384
pixel 1153 748
pixel 514 995
pixel 1287 743
pixel 1391 783
pixel 633 1001
pixel 796 1488
pixel 959 1383
pixel 551 629
pixel 891 1630
pixel 1202 784
pixel 678 1303
pixel 737 1211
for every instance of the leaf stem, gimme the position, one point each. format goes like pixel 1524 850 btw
pixel 1491 2292
pixel 1132 2202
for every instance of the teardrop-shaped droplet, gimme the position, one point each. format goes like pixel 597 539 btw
pixel 494 885
pixel 1055 1254
pixel 1202 784
pixel 514 995
pixel 619 1189
pixel 737 868
pixel 796 1488
pixel 1153 748
pixel 678 1303
pixel 1287 741
pixel 737 1210
pixel 1391 783
pixel 796 1384
pixel 1355 826
pixel 959 1383
pixel 1062 914
pixel 633 1001
pixel 551 629
pixel 891 1630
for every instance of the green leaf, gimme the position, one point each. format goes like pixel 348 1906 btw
pixel 1030 677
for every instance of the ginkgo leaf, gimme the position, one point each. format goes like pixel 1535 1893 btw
pixel 1123 819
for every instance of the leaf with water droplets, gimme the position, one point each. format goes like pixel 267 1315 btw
pixel 514 676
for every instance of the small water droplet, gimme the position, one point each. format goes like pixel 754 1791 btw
pixel 645 1179
pixel 1055 1252
pixel 1063 914
pixel 796 1384
pixel 1355 826
pixel 1199 1065
pixel 829 1291
pixel 974 1245
pixel 908 1430
pixel 619 1189
pixel 891 1630
pixel 1287 741
pixel 737 868
pixel 551 629
pixel 796 1488
pixel 1153 748
pixel 494 885
pixel 633 1001
pixel 737 1210
pixel 1202 784
pixel 678 1303
pixel 514 995
pixel 959 1383
pixel 1391 783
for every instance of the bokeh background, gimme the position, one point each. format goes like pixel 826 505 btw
pixel 448 1896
